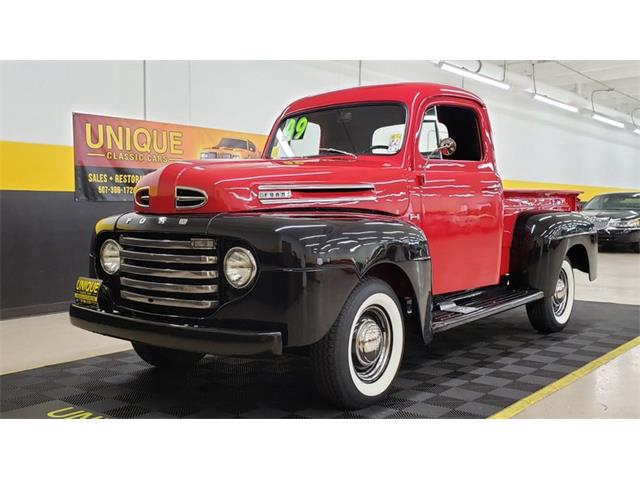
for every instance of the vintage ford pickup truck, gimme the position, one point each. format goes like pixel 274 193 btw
pixel 373 213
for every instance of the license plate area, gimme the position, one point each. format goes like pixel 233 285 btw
pixel 86 292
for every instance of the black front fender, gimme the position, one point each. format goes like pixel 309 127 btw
pixel 310 263
pixel 542 240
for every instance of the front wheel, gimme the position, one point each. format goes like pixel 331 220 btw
pixel 166 358
pixel 355 363
pixel 551 314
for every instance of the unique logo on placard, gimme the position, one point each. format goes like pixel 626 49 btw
pixel 183 221
pixel 162 220
pixel 142 220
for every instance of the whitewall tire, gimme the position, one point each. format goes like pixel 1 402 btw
pixel 355 364
pixel 552 313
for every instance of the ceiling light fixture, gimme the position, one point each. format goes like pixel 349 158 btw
pixel 555 103
pixel 602 118
pixel 548 100
pixel 607 120
pixel 475 75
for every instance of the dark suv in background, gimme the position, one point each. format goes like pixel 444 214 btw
pixel 617 218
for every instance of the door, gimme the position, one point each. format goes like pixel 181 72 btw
pixel 461 196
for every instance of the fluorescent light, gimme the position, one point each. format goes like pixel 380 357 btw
pixel 475 76
pixel 607 120
pixel 555 103
pixel 637 130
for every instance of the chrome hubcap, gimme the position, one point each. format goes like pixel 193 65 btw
pixel 560 297
pixel 370 344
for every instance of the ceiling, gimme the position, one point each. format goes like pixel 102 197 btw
pixel 584 76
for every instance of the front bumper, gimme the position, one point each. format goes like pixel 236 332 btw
pixel 618 236
pixel 215 341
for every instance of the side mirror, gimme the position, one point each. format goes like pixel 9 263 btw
pixel 447 147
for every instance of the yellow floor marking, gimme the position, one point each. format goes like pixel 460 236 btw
pixel 568 379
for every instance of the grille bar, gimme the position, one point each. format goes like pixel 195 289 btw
pixel 169 244
pixel 168 287
pixel 172 276
pixel 188 197
pixel 168 272
pixel 168 258
pixel 169 302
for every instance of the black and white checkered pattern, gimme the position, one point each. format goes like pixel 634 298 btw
pixel 469 372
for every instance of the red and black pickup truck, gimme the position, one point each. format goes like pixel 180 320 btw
pixel 374 212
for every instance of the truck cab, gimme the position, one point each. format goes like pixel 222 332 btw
pixel 374 213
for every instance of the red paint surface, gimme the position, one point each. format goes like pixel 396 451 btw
pixel 467 217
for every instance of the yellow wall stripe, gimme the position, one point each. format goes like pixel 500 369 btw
pixel 36 167
pixel 49 168
pixel 589 190
pixel 568 379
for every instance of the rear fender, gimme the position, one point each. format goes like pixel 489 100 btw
pixel 542 240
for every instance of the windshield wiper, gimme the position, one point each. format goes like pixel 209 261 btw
pixel 335 150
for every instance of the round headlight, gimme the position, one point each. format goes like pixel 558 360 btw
pixel 239 267
pixel 110 256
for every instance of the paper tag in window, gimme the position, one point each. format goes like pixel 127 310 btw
pixel 395 142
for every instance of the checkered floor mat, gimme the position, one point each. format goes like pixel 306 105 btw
pixel 469 372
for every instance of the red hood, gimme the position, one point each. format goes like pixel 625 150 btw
pixel 234 186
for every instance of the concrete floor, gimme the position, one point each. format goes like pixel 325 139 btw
pixel 610 391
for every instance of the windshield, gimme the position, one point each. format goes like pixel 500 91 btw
pixel 627 201
pixel 376 129
pixel 232 143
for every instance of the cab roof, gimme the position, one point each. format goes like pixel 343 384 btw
pixel 406 93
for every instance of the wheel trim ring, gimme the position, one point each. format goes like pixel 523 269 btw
pixel 561 296
pixel 372 371
pixel 397 345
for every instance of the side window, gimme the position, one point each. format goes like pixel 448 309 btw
pixel 431 134
pixel 458 123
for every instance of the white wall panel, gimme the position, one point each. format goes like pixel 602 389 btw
pixel 38 97
pixel 241 95
pixel 533 141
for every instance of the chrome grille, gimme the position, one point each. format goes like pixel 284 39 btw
pixel 181 273
pixel 187 198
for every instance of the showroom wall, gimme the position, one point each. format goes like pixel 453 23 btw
pixel 44 233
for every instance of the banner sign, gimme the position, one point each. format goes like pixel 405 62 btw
pixel 112 154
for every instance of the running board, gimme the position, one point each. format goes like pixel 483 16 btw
pixel 452 312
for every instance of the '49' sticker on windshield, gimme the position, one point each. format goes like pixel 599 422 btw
pixel 294 128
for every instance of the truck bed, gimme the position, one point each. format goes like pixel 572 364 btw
pixel 517 201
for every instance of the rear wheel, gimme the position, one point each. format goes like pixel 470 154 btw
pixel 166 358
pixel 355 364
pixel 551 314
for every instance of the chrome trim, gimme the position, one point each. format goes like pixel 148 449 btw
pixel 168 258
pixel 317 200
pixel 252 260
pixel 166 244
pixel 167 287
pixel 167 272
pixel 318 186
pixel 135 197
pixel 169 302
pixel 187 197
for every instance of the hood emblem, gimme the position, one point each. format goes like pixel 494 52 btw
pixel 272 194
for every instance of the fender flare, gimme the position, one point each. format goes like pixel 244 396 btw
pixel 542 240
